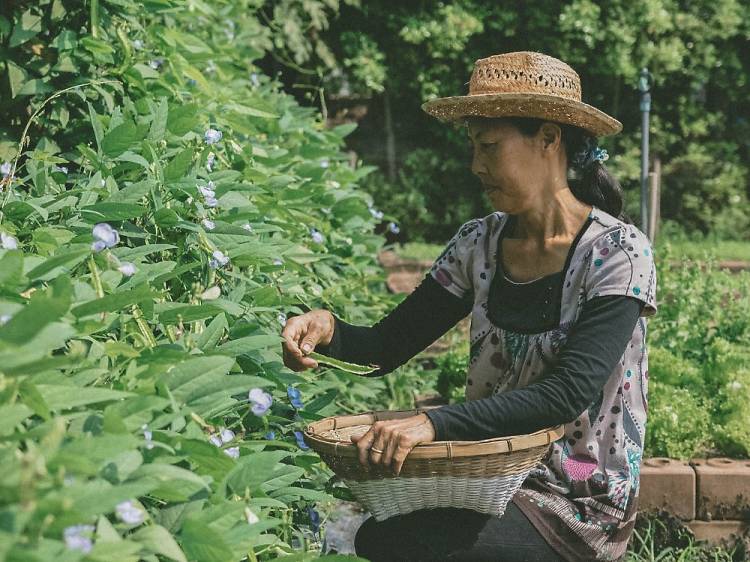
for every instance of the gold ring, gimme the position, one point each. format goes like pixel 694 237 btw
pixel 376 450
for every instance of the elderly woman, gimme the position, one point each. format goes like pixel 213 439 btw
pixel 559 285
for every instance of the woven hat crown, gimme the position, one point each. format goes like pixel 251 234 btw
pixel 524 72
pixel 525 84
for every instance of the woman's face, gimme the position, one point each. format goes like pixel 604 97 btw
pixel 513 168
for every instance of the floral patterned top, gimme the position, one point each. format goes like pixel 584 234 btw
pixel 583 495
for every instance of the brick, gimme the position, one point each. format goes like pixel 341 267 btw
pixel 722 488
pixel 718 533
pixel 667 484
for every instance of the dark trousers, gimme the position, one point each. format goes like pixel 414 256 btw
pixel 453 534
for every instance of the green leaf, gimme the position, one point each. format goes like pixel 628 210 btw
pixel 253 470
pixel 66 259
pixel 31 396
pixel 178 166
pixel 189 313
pixel 248 344
pixel 159 123
pixel 114 301
pixel 158 540
pixel 42 310
pixel 60 397
pixel 107 211
pixel 16 77
pixel 202 543
pixel 210 336
pixel 119 139
pixel 182 119
pixel 11 269
pixel 27 27
pixel 174 483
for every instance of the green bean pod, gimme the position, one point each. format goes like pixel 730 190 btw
pixel 343 365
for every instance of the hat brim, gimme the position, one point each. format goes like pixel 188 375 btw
pixel 542 106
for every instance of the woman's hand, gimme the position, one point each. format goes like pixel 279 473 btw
pixel 396 438
pixel 302 333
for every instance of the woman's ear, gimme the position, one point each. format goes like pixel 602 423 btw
pixel 551 135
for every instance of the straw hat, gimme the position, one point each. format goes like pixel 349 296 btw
pixel 525 84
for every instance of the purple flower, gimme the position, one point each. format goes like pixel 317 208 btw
pixel 156 63
pixel 294 397
pixel 8 242
pixel 212 136
pixel 127 269
pixel 375 213
pixel 281 318
pixel 393 227
pixel 218 259
pixel 300 440
pixel 130 513
pixel 104 237
pixel 261 401
pixel 233 452
pixel 207 190
pixel 226 434
pixel 215 440
pixel 78 537
pixel 208 224
pixel 5 169
pixel 317 236
pixel 270 435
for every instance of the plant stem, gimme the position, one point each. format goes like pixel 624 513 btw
pixel 143 327
pixel 95 278
pixel 94 17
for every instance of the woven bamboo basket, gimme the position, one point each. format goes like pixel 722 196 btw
pixel 478 475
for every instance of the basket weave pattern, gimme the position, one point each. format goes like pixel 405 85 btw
pixel 529 73
pixel 478 475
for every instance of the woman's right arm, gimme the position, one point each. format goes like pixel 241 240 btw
pixel 417 321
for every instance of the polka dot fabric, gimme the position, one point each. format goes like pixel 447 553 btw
pixel 584 493
pixel 622 263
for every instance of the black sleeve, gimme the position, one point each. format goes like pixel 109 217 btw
pixel 422 317
pixel 594 345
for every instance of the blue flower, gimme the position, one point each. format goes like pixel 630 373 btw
pixel 78 537
pixel 294 397
pixel 317 236
pixel 212 136
pixel 104 237
pixel 5 169
pixel 261 401
pixel 271 435
pixel 314 519
pixel 393 227
pixel 300 440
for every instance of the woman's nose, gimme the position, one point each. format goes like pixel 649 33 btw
pixel 477 167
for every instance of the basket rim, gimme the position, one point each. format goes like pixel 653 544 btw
pixel 431 450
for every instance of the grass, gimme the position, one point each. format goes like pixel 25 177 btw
pixel 667 540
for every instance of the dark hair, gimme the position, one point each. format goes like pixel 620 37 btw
pixel 593 184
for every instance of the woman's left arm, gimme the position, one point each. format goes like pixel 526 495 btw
pixel 595 343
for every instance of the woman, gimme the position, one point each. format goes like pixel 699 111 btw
pixel 559 285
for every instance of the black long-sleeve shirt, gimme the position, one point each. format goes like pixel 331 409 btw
pixel 594 345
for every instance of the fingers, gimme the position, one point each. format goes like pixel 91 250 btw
pixel 364 443
pixel 298 329
pixel 391 438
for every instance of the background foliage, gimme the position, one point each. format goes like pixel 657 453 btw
pixel 410 52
